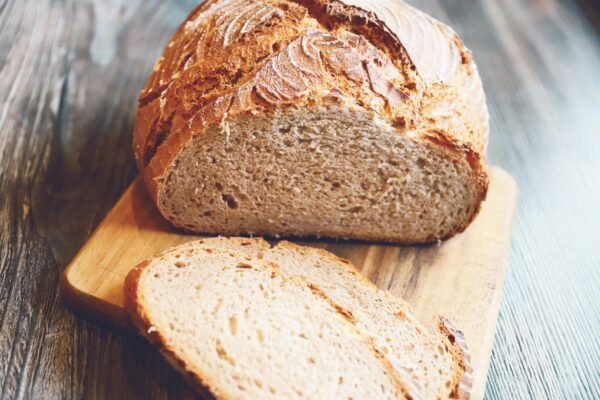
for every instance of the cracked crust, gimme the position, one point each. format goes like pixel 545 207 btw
pixel 242 57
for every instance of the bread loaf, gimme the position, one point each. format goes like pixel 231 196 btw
pixel 430 366
pixel 345 119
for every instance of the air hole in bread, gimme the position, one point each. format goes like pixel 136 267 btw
pixel 223 354
pixel 452 339
pixel 230 200
pixel 233 325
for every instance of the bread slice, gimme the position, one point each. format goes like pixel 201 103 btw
pixel 234 326
pixel 314 118
pixel 437 364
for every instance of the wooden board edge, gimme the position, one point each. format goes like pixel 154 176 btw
pixel 512 202
pixel 90 306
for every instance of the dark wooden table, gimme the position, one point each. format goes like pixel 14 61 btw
pixel 70 72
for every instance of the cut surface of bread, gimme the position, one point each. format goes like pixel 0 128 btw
pixel 314 117
pixel 306 171
pixel 233 325
pixel 433 366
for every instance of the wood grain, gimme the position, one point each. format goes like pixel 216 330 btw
pixel 70 72
pixel 460 279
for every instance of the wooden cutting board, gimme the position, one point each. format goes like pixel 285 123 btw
pixel 460 279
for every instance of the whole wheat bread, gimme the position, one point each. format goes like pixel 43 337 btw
pixel 331 118
pixel 234 326
pixel 431 366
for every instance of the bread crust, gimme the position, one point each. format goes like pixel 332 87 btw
pixel 463 377
pixel 188 93
pixel 141 321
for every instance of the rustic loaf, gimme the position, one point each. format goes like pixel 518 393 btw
pixel 345 119
pixel 236 328
pixel 430 366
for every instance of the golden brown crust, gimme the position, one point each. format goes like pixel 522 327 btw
pixel 478 173
pixel 334 14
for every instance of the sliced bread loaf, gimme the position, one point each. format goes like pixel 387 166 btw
pixel 234 326
pixel 314 117
pixel 434 366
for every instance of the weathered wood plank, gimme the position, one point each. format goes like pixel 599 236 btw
pixel 69 76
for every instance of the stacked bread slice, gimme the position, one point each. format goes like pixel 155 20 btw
pixel 242 319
